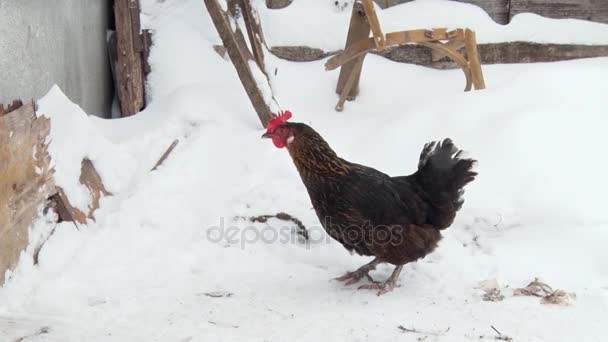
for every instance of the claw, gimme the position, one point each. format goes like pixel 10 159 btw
pixel 354 277
pixel 384 287
pixel 381 287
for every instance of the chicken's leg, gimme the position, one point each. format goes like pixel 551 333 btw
pixel 363 271
pixel 388 285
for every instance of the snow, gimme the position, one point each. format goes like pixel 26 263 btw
pixel 319 24
pixel 74 137
pixel 141 271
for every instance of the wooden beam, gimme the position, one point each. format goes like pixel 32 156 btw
pixel 236 52
pixel 474 59
pixel 453 44
pixel 129 65
pixel 358 30
pixel 456 57
pixel 374 23
pixel 355 73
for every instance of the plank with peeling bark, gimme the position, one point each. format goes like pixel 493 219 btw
pixel 129 67
pixel 359 29
pixel 89 177
pixel 26 179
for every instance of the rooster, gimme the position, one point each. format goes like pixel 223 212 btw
pixel 396 220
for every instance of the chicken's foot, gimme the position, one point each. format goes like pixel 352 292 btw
pixel 363 271
pixel 386 286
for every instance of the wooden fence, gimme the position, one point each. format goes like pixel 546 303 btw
pixel 503 10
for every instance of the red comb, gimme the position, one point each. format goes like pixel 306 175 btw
pixel 278 120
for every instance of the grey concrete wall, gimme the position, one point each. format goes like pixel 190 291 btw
pixel 46 42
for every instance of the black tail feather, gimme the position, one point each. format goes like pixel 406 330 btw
pixel 443 173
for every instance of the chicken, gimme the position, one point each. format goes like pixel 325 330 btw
pixel 396 220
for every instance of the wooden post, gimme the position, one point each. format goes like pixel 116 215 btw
pixel 237 54
pixel 349 83
pixel 359 29
pixel 129 65
pixel 474 60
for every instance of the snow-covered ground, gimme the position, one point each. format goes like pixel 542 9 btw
pixel 145 269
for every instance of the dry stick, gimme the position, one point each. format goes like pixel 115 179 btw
pixel 284 217
pixel 37 250
pixel 41 331
pixel 434 333
pixel 165 155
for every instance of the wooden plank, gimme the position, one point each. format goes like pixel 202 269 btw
pixel 26 179
pixel 374 23
pixel 239 60
pixel 456 57
pixel 346 57
pixel 355 73
pixel 358 30
pixel 453 44
pixel 129 65
pixel 594 10
pixel 474 59
pixel 16 104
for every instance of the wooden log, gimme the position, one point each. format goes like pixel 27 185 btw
pixel 593 10
pixel 277 4
pixel 300 53
pixel 26 179
pixel 494 53
pixel 474 59
pixel 358 30
pixel 237 55
pixel 129 65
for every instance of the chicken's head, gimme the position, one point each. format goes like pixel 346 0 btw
pixel 279 131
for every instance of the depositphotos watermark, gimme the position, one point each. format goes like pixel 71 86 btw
pixel 244 235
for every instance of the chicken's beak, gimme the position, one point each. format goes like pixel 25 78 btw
pixel 266 135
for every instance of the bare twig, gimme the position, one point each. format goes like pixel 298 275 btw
pixel 39 247
pixel 414 331
pixel 165 155
pixel 41 331
pixel 500 336
pixel 302 231
pixel 218 294
pixel 498 332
